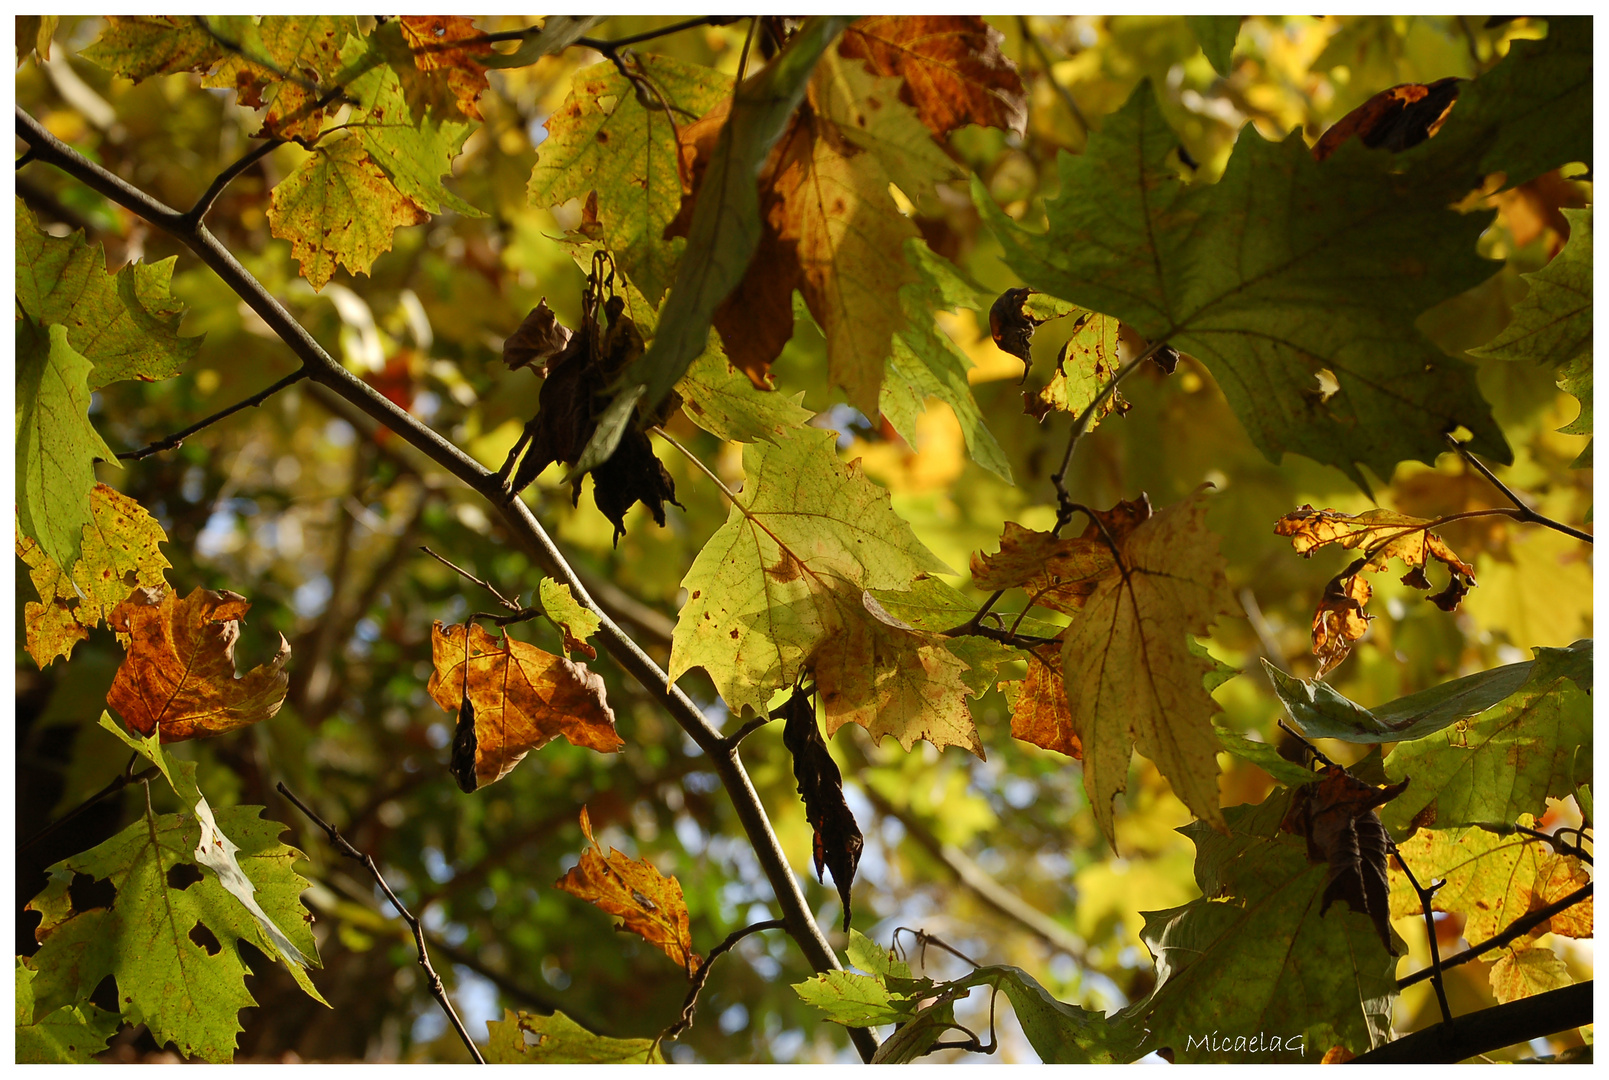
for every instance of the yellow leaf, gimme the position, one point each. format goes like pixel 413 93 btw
pixel 1526 972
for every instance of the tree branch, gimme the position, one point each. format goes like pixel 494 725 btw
pixel 1517 929
pixel 1489 1029
pixel 1427 895
pixel 685 1020
pixel 437 991
pixel 1525 511
pixel 515 513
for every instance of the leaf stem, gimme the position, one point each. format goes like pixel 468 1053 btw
pixel 437 990
pixel 461 572
pixel 522 524
pixel 174 441
pixel 1517 929
pixel 685 1021
pixel 1525 511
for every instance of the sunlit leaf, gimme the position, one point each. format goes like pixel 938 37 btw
pixel 952 66
pixel 433 38
pixel 521 698
pixel 573 621
pixel 647 902
pixel 1525 972
pixel 728 405
pixel 63 1036
pixel 558 1040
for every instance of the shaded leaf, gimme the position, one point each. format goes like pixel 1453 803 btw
pixel 786 571
pixel 604 140
pixel 521 698
pixel 139 46
pixel 1259 912
pixel 34 34
pixel 1394 119
pixel 286 63
pixel 646 901
pixel 1492 880
pixel 1508 760
pixel 558 1040
pixel 539 339
pixel 727 404
pixel 837 840
pixel 1265 757
pixel 1216 34
pixel 1334 263
pixel 1337 816
pixel 125 324
pixel 172 948
pixel 952 66
pixel 573 621
pixel 338 207
pixel 1087 362
pixel 1132 679
pixel 119 553
pixel 57 446
pixel 68 1035
pixel 725 227
pixel 178 676
pixel 432 39
pixel 1059 574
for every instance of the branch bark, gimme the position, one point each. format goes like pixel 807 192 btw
pixel 1489 1029
pixel 325 371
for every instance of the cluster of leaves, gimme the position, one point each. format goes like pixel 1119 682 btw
pixel 809 225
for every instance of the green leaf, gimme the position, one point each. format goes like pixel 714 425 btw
pixel 1575 378
pixel 126 324
pixel 604 140
pixel 57 446
pixel 1265 757
pixel 139 46
pixel 929 605
pixel 856 1000
pixel 573 621
pixel 560 1040
pixel 1537 744
pixel 1253 958
pixel 64 1036
pixel 1530 113
pixel 138 907
pixel 927 363
pixel 1323 712
pixel 558 33
pixel 1217 34
pixel 1283 269
pixel 726 404
pixel 1553 323
pixel 725 229
pixel 786 570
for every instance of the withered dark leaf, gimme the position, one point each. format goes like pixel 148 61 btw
pixel 462 763
pixel 540 338
pixel 837 836
pixel 1394 119
pixel 632 474
pixel 1012 327
pixel 1337 817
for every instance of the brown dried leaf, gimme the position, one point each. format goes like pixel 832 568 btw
pixel 1059 574
pixel 954 71
pixel 519 698
pixel 179 674
pixel 540 338
pixel 649 903
pixel 1394 119
pixel 1041 714
pixel 1337 816
pixel 431 38
pixel 837 838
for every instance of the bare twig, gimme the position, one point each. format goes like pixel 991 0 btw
pixel 685 1020
pixel 1553 840
pixel 522 525
pixel 1062 92
pixel 437 990
pixel 1517 929
pixel 1489 1029
pixel 1427 894
pixel 1525 511
pixel 466 575
pixel 174 441
pixel 123 779
pixel 1065 505
pixel 749 727
pixel 607 47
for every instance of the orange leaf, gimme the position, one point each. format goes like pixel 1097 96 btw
pixel 520 698
pixel 648 902
pixel 431 37
pixel 1059 574
pixel 1041 714
pixel 179 674
pixel 954 71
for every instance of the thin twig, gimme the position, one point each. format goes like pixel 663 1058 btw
pixel 749 727
pixel 924 939
pixel 123 779
pixel 1065 505
pixel 222 180
pixel 1553 840
pixel 174 441
pixel 1525 511
pixel 685 1021
pixel 1427 895
pixel 461 572
pixel 437 990
pixel 606 47
pixel 1517 929
pixel 1062 92
pixel 521 522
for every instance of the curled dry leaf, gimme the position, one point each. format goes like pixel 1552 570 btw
pixel 1041 715
pixel 179 675
pixel 838 841
pixel 1380 535
pixel 1059 574
pixel 1337 816
pixel 648 902
pixel 516 698
pixel 540 338
pixel 1394 119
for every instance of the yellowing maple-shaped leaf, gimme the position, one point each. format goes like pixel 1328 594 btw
pixel 573 621
pixel 179 674
pixel 646 901
pixel 603 140
pixel 1525 972
pixel 952 66
pixel 433 39
pixel 785 578
pixel 521 698
pixel 1056 573
pixel 1040 713
pixel 1133 682
pixel 120 553
pixel 1492 880
pixel 561 1041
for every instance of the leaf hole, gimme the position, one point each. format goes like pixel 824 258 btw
pixel 205 938
pixel 183 875
pixel 88 893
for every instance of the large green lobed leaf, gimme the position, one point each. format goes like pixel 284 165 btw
pixel 1283 269
pixel 68 1035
